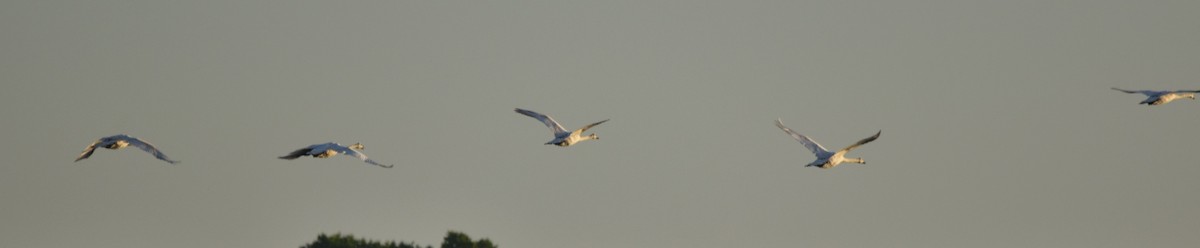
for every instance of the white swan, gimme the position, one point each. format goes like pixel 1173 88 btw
pixel 121 141
pixel 330 149
pixel 825 158
pixel 562 137
pixel 1162 97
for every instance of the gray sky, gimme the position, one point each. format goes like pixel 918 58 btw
pixel 999 127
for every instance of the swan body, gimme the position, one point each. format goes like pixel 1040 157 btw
pixel 333 149
pixel 1162 97
pixel 562 137
pixel 121 141
pixel 826 159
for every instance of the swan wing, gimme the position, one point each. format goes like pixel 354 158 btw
pixel 1143 92
pixel 297 153
pixel 589 126
pixel 553 125
pixel 146 146
pixel 364 158
pixel 87 152
pixel 813 146
pixel 1126 91
pixel 862 142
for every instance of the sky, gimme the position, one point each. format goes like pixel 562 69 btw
pixel 998 125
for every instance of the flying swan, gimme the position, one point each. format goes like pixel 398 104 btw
pixel 825 158
pixel 562 137
pixel 1162 97
pixel 331 149
pixel 121 141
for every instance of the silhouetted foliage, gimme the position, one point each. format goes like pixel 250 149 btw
pixel 461 240
pixel 453 240
pixel 457 240
pixel 348 241
pixel 485 243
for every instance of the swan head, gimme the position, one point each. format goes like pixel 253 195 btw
pixel 593 136
pixel 357 146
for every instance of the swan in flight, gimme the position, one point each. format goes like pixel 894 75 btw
pixel 825 158
pixel 1162 97
pixel 330 149
pixel 562 137
pixel 121 141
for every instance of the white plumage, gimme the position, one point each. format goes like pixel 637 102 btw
pixel 331 149
pixel 121 141
pixel 1162 97
pixel 562 137
pixel 825 158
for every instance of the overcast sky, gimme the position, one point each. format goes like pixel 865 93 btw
pixel 999 127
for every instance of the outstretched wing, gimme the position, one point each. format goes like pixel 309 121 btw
pixel 1126 91
pixel 1143 92
pixel 861 142
pixel 1187 91
pixel 297 153
pixel 585 128
pixel 87 152
pixel 812 145
pixel 364 158
pixel 145 146
pixel 553 125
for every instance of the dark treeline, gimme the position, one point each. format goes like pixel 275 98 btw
pixel 453 240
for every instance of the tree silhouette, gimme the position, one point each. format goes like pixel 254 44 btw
pixel 348 241
pixel 453 239
pixel 461 240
